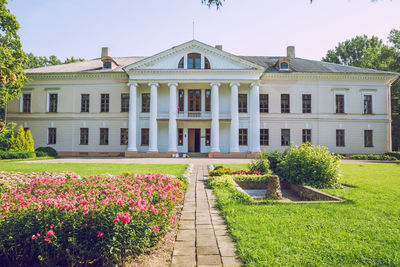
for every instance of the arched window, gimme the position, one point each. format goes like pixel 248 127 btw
pixel 284 66
pixel 207 63
pixel 194 61
pixel 180 64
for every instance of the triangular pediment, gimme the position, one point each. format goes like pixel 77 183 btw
pixel 169 59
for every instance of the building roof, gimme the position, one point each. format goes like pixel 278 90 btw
pixel 296 65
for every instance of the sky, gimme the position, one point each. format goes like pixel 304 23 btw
pixel 80 28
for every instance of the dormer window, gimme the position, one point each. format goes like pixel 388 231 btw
pixel 284 66
pixel 107 65
pixel 194 61
pixel 181 62
pixel 207 63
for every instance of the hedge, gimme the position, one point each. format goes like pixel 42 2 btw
pixel 11 154
pixel 372 157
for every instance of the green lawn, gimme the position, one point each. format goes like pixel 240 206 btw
pixel 364 230
pixel 86 169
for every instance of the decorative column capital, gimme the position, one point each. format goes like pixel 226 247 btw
pixel 133 84
pixel 253 84
pixel 234 84
pixel 218 84
pixel 156 84
pixel 172 84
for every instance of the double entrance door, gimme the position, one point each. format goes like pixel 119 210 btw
pixel 194 140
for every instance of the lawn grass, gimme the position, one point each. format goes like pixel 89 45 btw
pixel 364 230
pixel 86 169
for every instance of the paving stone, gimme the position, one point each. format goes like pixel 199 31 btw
pixel 220 227
pixel 224 239
pixel 183 261
pixel 188 215
pixel 203 221
pixel 186 225
pixel 221 232
pixel 184 251
pixel 231 262
pixel 227 249
pixel 213 260
pixel 206 240
pixel 186 235
pixel 207 250
pixel 184 244
pixel 204 226
pixel 209 232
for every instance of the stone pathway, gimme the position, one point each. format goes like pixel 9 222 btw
pixel 202 238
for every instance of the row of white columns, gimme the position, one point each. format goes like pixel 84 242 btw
pixel 254 129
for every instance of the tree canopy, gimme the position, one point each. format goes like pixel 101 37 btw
pixel 42 61
pixel 12 57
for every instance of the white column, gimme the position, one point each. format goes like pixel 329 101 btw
pixel 234 139
pixel 153 117
pixel 132 117
pixel 255 117
pixel 215 116
pixel 172 118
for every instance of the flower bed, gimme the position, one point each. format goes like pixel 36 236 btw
pixel 66 220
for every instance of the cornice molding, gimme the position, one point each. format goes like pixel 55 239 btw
pixel 191 71
pixel 325 76
pixel 76 76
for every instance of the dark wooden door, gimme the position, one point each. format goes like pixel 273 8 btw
pixel 193 140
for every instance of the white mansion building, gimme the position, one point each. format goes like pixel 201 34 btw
pixel 198 98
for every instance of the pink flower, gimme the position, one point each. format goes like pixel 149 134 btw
pixel 33 237
pixel 100 234
pixel 47 239
pixel 156 229
pixel 38 235
pixel 50 233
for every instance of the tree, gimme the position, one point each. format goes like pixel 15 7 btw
pixel 12 58
pixel 20 141
pixel 42 61
pixel 30 146
pixel 365 52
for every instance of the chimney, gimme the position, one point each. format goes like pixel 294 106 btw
pixel 290 52
pixel 105 52
pixel 219 47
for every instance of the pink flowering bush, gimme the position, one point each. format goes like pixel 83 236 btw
pixel 65 220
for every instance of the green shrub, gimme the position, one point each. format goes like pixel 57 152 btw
pixel 372 157
pixel 7 133
pixel 275 157
pixel 218 167
pixel 41 154
pixel 20 141
pixel 48 150
pixel 263 177
pixel 310 165
pixel 226 182
pixel 16 154
pixel 395 154
pixel 260 163
pixel 220 171
pixel 30 146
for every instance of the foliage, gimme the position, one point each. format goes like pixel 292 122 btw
pixel 372 157
pixel 243 172
pixel 373 53
pixel 226 183
pixel 310 165
pixel 19 143
pixel 71 221
pixel 11 154
pixel 256 177
pixel 260 163
pixel 49 151
pixel 395 154
pixel 42 61
pixel 220 171
pixel 274 157
pixel 30 146
pixel 347 234
pixel 7 133
pixel 12 58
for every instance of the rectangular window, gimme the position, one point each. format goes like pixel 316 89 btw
pixel 26 103
pixel 306 103
pixel 123 140
pixel 339 137
pixel 180 136
pixel 285 137
pixel 306 135
pixel 105 103
pixel 208 99
pixel 368 138
pixel 146 102
pixel 124 102
pixel 242 137
pixel 243 103
pixel 264 137
pixel 84 136
pixel 208 136
pixel 285 103
pixel 339 103
pixel 85 102
pixel 367 104
pixel 144 136
pixel 264 103
pixel 181 100
pixel 53 101
pixel 52 136
pixel 103 136
pixel 194 99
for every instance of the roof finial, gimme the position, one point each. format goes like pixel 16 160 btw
pixel 193 29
